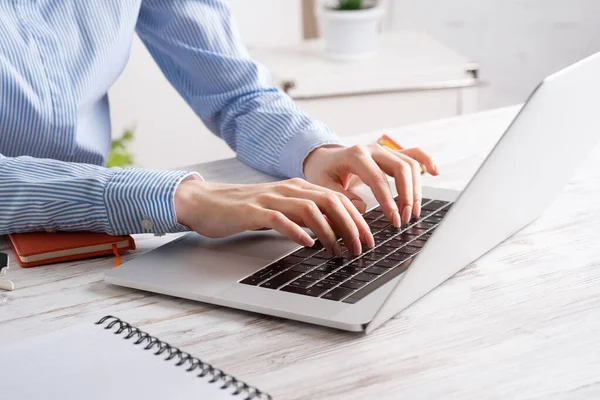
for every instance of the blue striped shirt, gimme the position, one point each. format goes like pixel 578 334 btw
pixel 58 59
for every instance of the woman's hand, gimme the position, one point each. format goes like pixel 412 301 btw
pixel 220 210
pixel 341 169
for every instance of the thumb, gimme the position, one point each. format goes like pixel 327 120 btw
pixel 358 202
pixel 355 199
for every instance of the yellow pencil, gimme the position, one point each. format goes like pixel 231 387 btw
pixel 390 143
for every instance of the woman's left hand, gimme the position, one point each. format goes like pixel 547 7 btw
pixel 341 168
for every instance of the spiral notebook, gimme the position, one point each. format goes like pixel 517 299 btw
pixel 111 360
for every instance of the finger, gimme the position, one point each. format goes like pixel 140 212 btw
pixel 423 158
pixel 416 181
pixel 307 213
pixel 346 219
pixel 401 169
pixel 362 164
pixel 356 207
pixel 329 203
pixel 282 224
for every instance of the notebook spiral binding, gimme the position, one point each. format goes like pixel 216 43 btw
pixel 216 375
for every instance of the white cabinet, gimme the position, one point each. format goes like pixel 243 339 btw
pixel 413 79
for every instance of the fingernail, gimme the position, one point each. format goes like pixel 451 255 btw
pixel 356 247
pixel 307 241
pixel 436 170
pixel 406 212
pixel 337 249
pixel 396 219
pixel 417 208
pixel 369 239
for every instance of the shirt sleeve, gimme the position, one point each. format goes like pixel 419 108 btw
pixel 196 45
pixel 41 194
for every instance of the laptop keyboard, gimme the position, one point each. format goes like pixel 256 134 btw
pixel 312 271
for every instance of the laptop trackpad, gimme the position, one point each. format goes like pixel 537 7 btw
pixel 266 245
pixel 195 264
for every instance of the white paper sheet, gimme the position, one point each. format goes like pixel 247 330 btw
pixel 89 362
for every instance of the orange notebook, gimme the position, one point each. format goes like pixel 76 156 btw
pixel 40 248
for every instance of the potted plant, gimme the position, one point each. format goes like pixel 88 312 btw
pixel 350 28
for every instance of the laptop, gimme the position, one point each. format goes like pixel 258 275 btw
pixel 266 273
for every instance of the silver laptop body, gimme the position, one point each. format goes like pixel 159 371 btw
pixel 527 169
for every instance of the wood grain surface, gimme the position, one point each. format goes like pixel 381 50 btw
pixel 523 322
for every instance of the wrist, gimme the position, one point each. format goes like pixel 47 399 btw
pixel 313 161
pixel 187 200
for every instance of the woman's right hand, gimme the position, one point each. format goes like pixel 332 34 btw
pixel 220 210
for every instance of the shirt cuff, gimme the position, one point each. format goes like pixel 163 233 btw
pixel 294 153
pixel 142 201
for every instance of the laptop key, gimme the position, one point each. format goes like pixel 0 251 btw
pixel 313 261
pixel 349 270
pixel 385 249
pixel 417 243
pixel 325 285
pixel 302 268
pixel 363 276
pixel 372 256
pixel 337 293
pixel 303 283
pixel 399 256
pixel 351 300
pixel 294 289
pixel 266 273
pixel 387 263
pixel 395 243
pixel 305 252
pixel 316 275
pixel 426 213
pixel 277 266
pixel 424 224
pixel 353 284
pixel 384 235
pixel 252 280
pixel 323 255
pixel 410 249
pixel 407 237
pixel 311 291
pixel 373 215
pixel 436 219
pixel 416 231
pixel 281 279
pixel 377 270
pixel 337 277
pixel 372 286
pixel 434 205
pixel 379 224
pixel 327 268
pixel 361 263
pixel 392 229
pixel 315 291
pixel 292 260
pixel 337 262
pixel 317 246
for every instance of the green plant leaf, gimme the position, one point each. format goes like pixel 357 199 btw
pixel 350 4
pixel 119 155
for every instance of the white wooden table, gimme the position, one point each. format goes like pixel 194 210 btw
pixel 522 322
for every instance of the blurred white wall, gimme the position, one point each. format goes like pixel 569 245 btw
pixel 516 42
